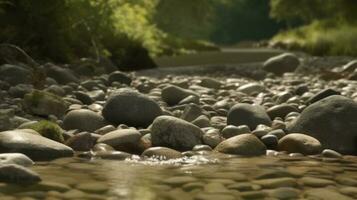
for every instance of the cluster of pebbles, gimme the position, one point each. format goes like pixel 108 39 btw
pixel 119 116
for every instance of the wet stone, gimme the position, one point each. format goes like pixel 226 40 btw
pixel 98 187
pixel 276 182
pixel 325 194
pixel 316 182
pixel 179 180
pixel 285 193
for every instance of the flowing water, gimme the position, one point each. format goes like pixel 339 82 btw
pixel 204 176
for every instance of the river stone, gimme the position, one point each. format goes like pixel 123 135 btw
pixel 34 146
pixel 112 155
pixel 285 193
pixel 325 194
pixel 251 88
pixel 119 77
pixel 322 94
pixel 172 94
pixel 126 140
pixel 276 182
pixel 83 141
pixel 210 83
pixel 102 147
pixel 350 66
pixel 329 153
pixel 231 131
pixel 12 173
pixel 175 133
pixel 246 114
pixel 281 111
pixel 286 62
pixel 45 104
pixel 202 147
pixel 316 182
pixel 61 75
pixel 191 112
pixel 299 143
pixel 212 137
pixel 83 97
pixel 270 141
pixel 15 158
pixel 245 144
pixel 162 153
pixel 19 91
pixel 83 120
pixel 202 121
pixel 132 108
pixel 332 122
pixel 14 74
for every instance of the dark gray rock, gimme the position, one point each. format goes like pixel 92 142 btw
pixel 210 83
pixel 33 145
pixel 322 94
pixel 17 174
pixel 281 111
pixel 172 95
pixel 175 133
pixel 132 108
pixel 83 120
pixel 19 91
pixel 14 74
pixel 246 114
pixel 286 62
pixel 119 77
pixel 270 141
pixel 61 75
pixel 332 121
pixel 83 97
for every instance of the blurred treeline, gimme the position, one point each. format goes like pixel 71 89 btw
pixel 320 27
pixel 130 32
pixel 125 30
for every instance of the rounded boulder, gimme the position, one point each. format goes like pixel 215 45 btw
pixel 132 108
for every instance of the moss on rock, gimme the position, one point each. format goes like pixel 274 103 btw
pixel 44 104
pixel 47 129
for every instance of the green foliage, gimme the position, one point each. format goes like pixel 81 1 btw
pixel 242 20
pixel 328 26
pixel 321 39
pixel 186 18
pixel 47 129
pixel 64 30
pixel 308 11
pixel 220 21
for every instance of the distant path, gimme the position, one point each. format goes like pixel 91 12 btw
pixel 223 57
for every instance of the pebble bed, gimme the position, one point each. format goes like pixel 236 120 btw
pixel 258 131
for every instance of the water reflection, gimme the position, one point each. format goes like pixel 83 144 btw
pixel 198 177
